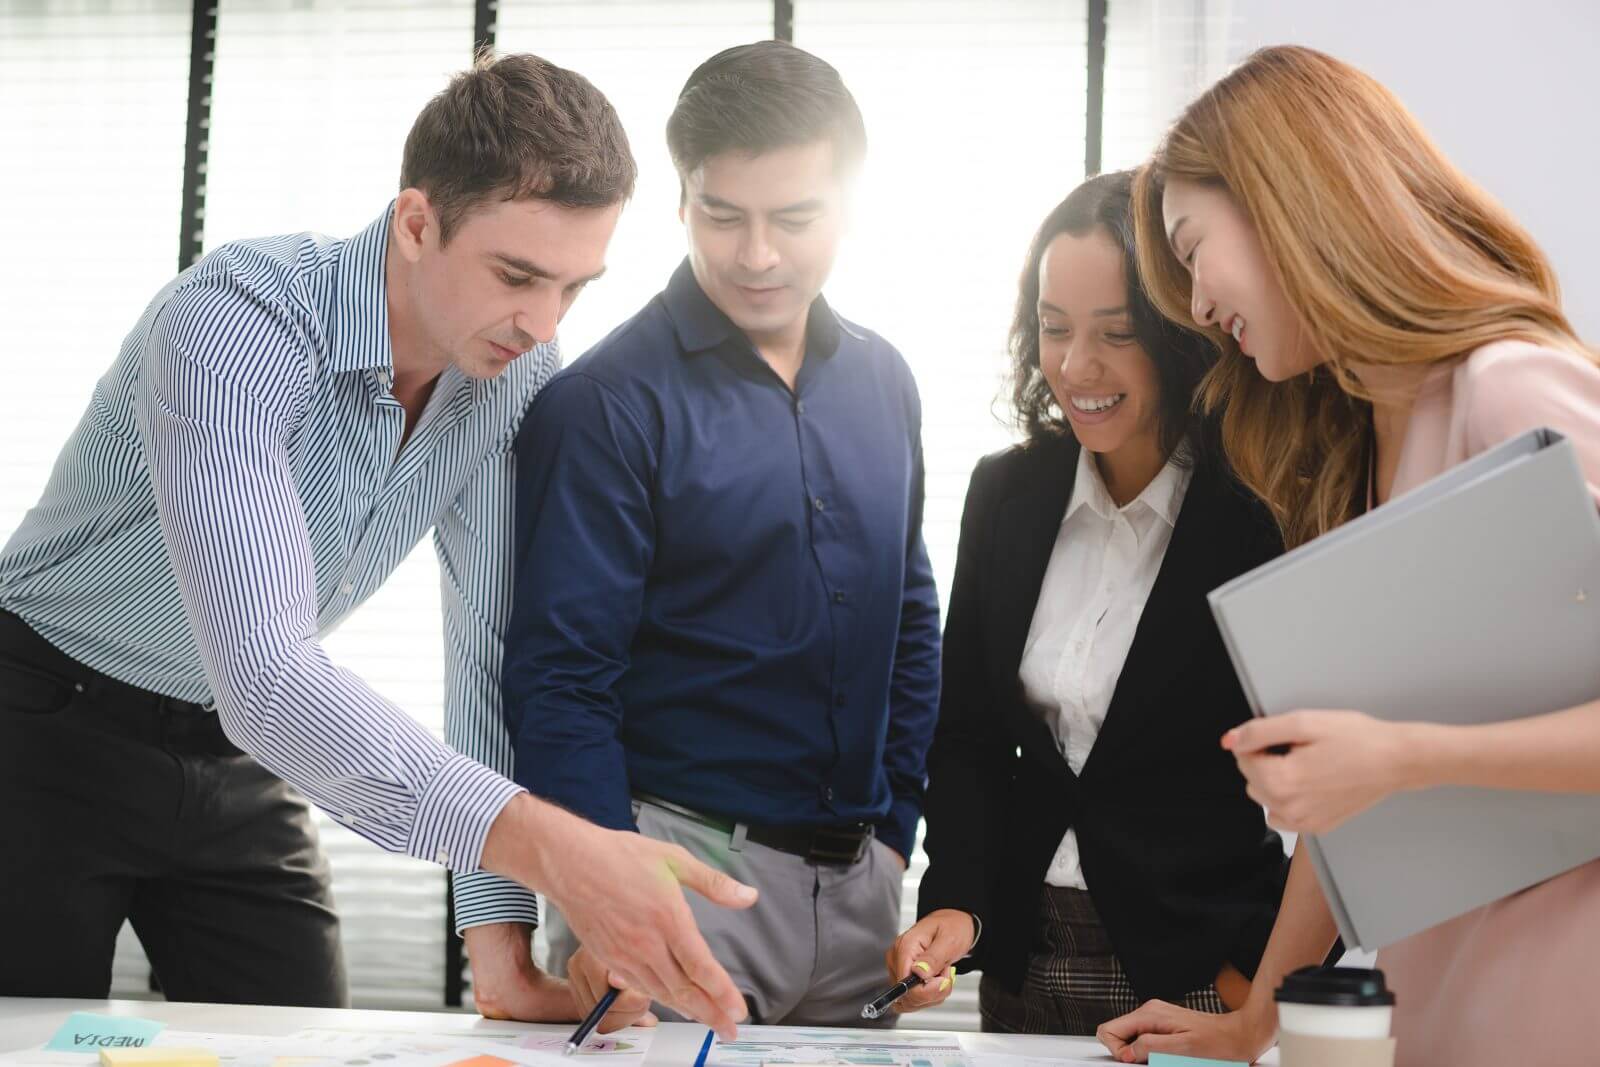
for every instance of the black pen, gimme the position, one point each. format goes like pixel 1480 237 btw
pixel 876 1009
pixel 585 1028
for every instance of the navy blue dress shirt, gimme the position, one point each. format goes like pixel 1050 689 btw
pixel 721 594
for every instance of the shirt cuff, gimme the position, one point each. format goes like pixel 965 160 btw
pixel 898 829
pixel 482 898
pixel 455 813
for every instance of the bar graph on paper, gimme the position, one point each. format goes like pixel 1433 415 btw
pixel 761 1045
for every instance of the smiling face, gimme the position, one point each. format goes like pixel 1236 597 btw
pixel 499 286
pixel 763 233
pixel 1234 285
pixel 1104 381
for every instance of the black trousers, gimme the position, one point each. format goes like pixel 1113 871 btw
pixel 116 803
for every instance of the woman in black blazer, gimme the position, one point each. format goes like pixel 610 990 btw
pixel 1089 840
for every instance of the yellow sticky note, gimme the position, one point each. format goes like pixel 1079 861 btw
pixel 157 1057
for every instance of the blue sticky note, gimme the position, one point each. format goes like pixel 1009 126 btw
pixel 86 1032
pixel 1167 1059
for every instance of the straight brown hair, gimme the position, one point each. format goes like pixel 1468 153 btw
pixel 1388 254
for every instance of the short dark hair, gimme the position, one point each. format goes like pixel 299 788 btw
pixel 517 127
pixel 754 98
pixel 1182 357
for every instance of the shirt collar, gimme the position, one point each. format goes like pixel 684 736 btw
pixel 701 325
pixel 360 320
pixel 1163 496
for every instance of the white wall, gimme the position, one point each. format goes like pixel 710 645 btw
pixel 1507 89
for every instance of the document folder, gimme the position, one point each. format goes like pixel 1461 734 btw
pixel 1473 598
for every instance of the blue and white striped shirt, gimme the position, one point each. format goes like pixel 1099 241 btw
pixel 237 487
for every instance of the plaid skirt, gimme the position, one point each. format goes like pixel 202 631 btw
pixel 1073 981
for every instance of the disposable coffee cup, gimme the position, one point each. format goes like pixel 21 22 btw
pixel 1335 1017
pixel 1335 1002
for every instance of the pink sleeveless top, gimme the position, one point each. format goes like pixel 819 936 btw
pixel 1517 981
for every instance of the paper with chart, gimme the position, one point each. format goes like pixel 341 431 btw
pixel 761 1045
pixel 624 1048
pixel 319 1047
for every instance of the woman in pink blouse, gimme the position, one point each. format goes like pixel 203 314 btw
pixel 1381 320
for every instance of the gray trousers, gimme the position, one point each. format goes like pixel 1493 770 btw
pixel 809 952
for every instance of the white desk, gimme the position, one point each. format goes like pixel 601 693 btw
pixel 28 1022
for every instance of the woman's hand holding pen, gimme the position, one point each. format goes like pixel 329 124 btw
pixel 1313 770
pixel 930 949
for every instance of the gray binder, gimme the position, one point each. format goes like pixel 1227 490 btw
pixel 1473 598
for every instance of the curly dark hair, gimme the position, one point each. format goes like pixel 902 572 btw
pixel 1182 357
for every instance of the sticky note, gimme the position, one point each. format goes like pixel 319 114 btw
pixel 87 1032
pixel 157 1057
pixel 1167 1059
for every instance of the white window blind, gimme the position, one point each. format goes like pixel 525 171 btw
pixel 1160 54
pixel 92 109
pixel 312 105
pixel 93 99
pixel 975 119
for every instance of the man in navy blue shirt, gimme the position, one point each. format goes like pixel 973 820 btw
pixel 724 630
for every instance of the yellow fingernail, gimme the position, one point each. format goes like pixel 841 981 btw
pixel 944 983
pixel 922 966
pixel 952 972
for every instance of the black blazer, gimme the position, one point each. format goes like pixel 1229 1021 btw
pixel 1179 861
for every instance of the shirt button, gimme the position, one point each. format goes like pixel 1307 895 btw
pixel 827 793
pixel 441 856
pixel 799 407
pixel 838 700
pixel 818 504
pixel 347 589
pixel 838 597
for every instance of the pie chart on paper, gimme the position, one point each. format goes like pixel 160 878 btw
pixel 597 1045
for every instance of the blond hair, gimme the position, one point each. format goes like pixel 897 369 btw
pixel 1387 253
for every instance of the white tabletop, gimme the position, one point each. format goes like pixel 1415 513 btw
pixel 27 1022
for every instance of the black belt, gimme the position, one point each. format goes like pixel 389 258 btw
pixel 827 846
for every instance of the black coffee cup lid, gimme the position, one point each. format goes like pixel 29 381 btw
pixel 1358 987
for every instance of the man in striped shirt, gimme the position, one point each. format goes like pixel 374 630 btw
pixel 288 418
